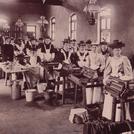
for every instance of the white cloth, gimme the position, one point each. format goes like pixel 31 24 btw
pixel 89 95
pixel 96 60
pixel 107 108
pixel 83 59
pixel 119 67
pixel 76 111
pixel 118 112
pixel 96 95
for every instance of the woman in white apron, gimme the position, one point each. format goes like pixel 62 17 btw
pixel 19 51
pixel 32 52
pixel 96 62
pixel 64 53
pixel 117 66
pixel 46 51
pixel 66 50
pixel 80 58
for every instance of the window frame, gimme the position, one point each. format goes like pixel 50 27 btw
pixel 52 27
pixel 105 29
pixel 35 32
pixel 73 26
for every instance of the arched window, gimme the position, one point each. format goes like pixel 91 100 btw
pixel 52 28
pixel 73 26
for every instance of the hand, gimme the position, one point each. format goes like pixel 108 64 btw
pixel 101 70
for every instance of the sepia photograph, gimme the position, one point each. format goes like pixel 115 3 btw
pixel 66 66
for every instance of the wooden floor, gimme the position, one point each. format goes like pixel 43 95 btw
pixel 16 117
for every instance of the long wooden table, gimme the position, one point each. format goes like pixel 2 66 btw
pixel 84 83
pixel 12 68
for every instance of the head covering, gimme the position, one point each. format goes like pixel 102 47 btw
pixel 33 39
pixel 66 41
pixel 103 43
pixel 81 43
pixel 94 44
pixel 40 38
pixel 88 42
pixel 73 40
pixel 47 37
pixel 117 44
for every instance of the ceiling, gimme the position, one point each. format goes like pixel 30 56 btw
pixel 47 2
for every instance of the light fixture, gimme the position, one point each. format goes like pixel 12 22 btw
pixel 19 28
pixel 91 9
pixel 43 22
pixel 6 27
pixel 19 23
pixel 43 1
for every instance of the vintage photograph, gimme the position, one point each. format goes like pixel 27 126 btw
pixel 66 66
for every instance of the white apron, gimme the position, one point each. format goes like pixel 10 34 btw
pixel 93 95
pixel 83 59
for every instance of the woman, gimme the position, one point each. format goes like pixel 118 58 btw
pixel 46 51
pixel 74 45
pixel 7 51
pixel 80 58
pixel 117 66
pixel 19 51
pixel 88 44
pixel 105 50
pixel 97 63
pixel 66 50
pixel 31 51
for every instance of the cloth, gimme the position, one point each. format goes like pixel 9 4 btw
pixel 79 112
pixel 96 95
pixel 80 58
pixel 59 56
pixel 107 127
pixel 107 107
pixel 33 76
pixel 89 95
pixel 118 67
pixel 66 55
pixel 44 47
pixel 96 61
pixel 7 52
pixel 96 127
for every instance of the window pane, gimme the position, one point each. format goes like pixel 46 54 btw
pixel 103 24
pixel 73 26
pixel 108 23
pixel 52 28
pixel 31 28
pixel 105 36
pixel 73 35
pixel 53 20
pixel 74 17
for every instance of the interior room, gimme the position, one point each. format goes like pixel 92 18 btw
pixel 66 66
